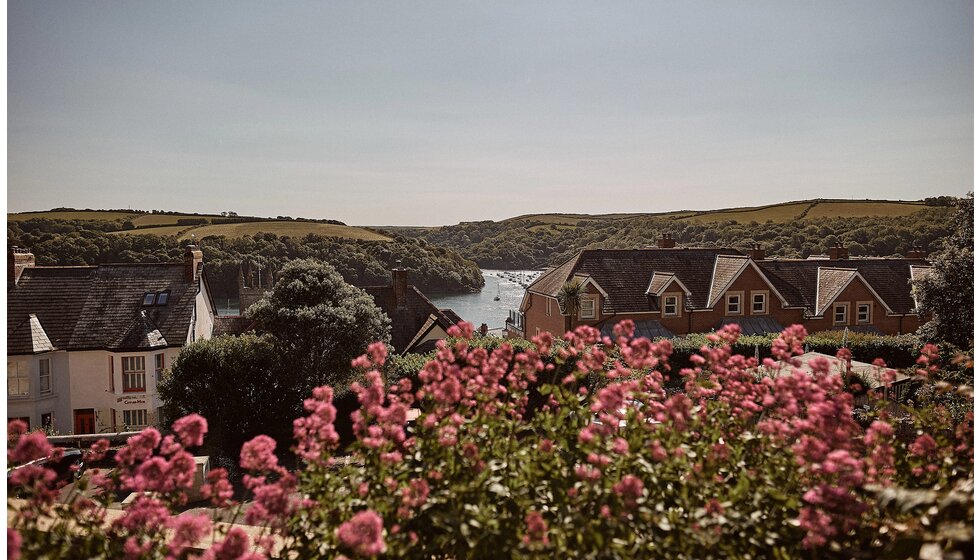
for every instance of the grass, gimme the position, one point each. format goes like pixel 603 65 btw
pixel 863 208
pixel 165 219
pixel 87 215
pixel 288 229
pixel 776 213
pixel 548 227
pixel 162 230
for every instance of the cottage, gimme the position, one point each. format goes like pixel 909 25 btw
pixel 87 345
pixel 416 322
pixel 671 291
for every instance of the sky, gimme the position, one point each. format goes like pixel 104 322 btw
pixel 431 113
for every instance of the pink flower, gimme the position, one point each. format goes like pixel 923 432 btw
pixel 217 488
pixel 138 448
pixel 363 534
pixel 30 447
pixel 234 547
pixel 187 530
pixel 191 429
pixel 537 528
pixel 923 446
pixel 630 488
pixel 258 454
pixel 546 445
pixel 415 494
pixel 13 542
pixel 144 512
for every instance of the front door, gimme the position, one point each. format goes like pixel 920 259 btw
pixel 85 421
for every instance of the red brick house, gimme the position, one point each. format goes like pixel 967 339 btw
pixel 670 291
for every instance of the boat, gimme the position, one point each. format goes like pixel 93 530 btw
pixel 497 297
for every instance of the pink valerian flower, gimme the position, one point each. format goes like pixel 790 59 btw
pixel 536 531
pixel 272 502
pixel 928 360
pixel 145 513
pixel 191 429
pixel 15 429
pixel 415 494
pixel 187 531
pixel 657 451
pixel 258 454
pixel 923 446
pixel 546 445
pixel 217 487
pixel 630 488
pixel 29 447
pixel 138 448
pixel 134 549
pixel 363 533
pixel 98 450
pixel 13 544
pixel 234 547
pixel 881 452
pixel 315 433
pixel 789 343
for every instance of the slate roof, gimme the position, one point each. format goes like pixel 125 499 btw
pixel 408 320
pixel 888 277
pixel 754 325
pixel 625 274
pixel 100 307
pixel 231 325
pixel 830 283
pixel 727 268
pixel 648 328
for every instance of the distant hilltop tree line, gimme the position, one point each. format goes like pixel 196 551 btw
pixel 537 243
pixel 75 242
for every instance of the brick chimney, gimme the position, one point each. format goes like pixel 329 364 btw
pixel 665 241
pixel 757 253
pixel 916 252
pixel 399 281
pixel 192 258
pixel 838 252
pixel 18 258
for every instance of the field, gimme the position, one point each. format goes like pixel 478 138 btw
pixel 162 230
pixel 861 209
pixel 288 229
pixel 89 215
pixel 776 213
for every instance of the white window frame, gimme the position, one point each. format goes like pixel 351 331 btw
pixel 847 312
pixel 547 307
pixel 870 318
pixel 737 298
pixel 135 372
pixel 159 365
pixel 44 374
pixel 21 379
pixel 581 308
pixel 765 302
pixel 676 297
pixel 132 418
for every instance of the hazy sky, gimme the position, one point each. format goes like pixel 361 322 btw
pixel 436 112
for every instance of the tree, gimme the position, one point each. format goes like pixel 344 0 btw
pixel 569 297
pixel 947 292
pixel 234 382
pixel 320 323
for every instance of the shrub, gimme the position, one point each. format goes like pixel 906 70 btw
pixel 737 464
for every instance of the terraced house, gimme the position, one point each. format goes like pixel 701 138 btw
pixel 86 345
pixel 671 291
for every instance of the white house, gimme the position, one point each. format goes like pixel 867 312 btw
pixel 86 345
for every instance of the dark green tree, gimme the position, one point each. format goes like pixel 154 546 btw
pixel 947 292
pixel 320 323
pixel 234 382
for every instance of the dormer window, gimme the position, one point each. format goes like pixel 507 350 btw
pixel 155 298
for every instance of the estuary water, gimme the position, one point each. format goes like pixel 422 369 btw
pixel 480 307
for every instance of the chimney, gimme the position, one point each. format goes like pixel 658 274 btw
pixel 916 252
pixel 399 281
pixel 757 253
pixel 838 252
pixel 665 241
pixel 193 257
pixel 18 259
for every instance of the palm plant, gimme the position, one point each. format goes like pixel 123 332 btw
pixel 569 297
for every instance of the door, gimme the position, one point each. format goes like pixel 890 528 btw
pixel 85 421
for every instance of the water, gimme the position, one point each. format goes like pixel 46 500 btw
pixel 480 307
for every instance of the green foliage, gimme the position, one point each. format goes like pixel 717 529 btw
pixel 523 243
pixel 363 263
pixel 320 323
pixel 947 292
pixel 236 382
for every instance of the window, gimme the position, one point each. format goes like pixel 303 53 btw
pixel 733 304
pixel 134 373
pixel 864 312
pixel 18 382
pixel 671 306
pixel 760 303
pixel 162 298
pixel 47 420
pixel 149 298
pixel 547 308
pixel 44 373
pixel 158 362
pixel 840 314
pixel 586 308
pixel 135 418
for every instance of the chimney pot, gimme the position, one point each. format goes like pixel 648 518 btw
pixel 193 257
pixel 757 253
pixel 399 282
pixel 18 258
pixel 665 241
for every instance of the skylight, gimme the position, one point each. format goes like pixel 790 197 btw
pixel 162 298
pixel 149 298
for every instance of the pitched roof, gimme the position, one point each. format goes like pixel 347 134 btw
pixel 408 320
pixel 754 325
pixel 727 269
pixel 830 283
pixel 625 274
pixel 101 307
pixel 887 277
pixel 648 328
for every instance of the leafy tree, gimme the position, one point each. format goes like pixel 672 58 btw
pixel 570 296
pixel 947 292
pixel 320 323
pixel 243 371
